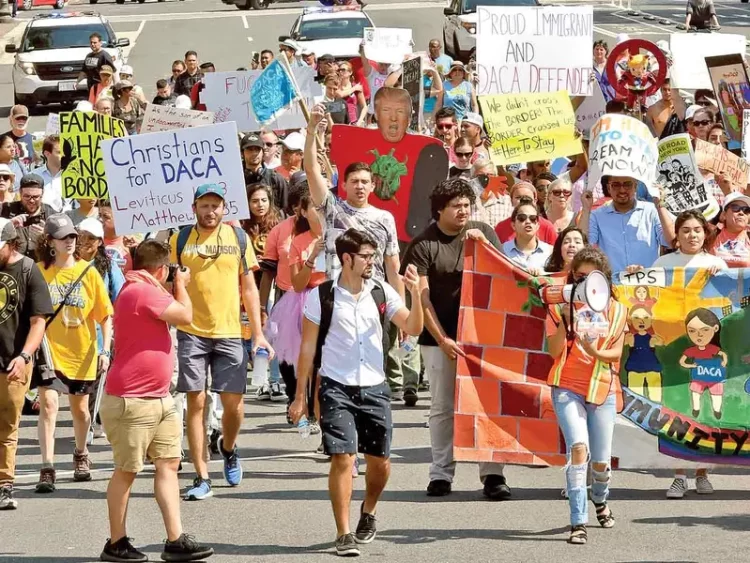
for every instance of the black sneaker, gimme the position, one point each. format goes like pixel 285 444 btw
pixel 410 397
pixel 213 442
pixel 121 550
pixel 439 488
pixel 366 529
pixel 185 548
pixel 7 502
pixel 346 546
pixel 495 488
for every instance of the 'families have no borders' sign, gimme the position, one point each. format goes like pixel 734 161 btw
pixel 153 177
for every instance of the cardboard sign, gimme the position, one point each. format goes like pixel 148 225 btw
pixel 745 133
pixel 387 44
pixel 164 118
pixel 679 175
pixel 53 125
pixel 227 95
pixel 622 146
pixel 528 49
pixel 528 127
pixel 590 110
pixel 729 81
pixel 83 174
pixel 412 83
pixel 154 176
pixel 689 50
pixel 718 160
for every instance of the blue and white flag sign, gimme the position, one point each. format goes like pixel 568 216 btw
pixel 272 93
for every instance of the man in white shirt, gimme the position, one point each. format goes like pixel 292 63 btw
pixel 50 172
pixel 342 335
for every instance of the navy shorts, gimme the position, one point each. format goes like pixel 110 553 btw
pixel 224 358
pixel 355 419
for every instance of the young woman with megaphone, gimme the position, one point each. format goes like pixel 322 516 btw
pixel 585 385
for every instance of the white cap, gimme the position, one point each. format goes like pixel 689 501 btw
pixel 84 105
pixel 92 226
pixel 126 69
pixel 690 112
pixel 306 52
pixel 736 196
pixel 5 169
pixel 621 38
pixel 294 141
pixel 473 118
pixel 291 43
pixel 183 102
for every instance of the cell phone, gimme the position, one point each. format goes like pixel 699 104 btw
pixel 33 220
pixel 256 57
pixel 172 270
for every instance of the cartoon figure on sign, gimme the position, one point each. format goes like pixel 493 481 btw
pixel 705 360
pixel 637 80
pixel 643 367
pixel 636 83
pixel 642 297
pixel 387 172
pixel 70 162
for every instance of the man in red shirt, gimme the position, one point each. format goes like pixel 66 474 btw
pixel 137 410
pixel 504 229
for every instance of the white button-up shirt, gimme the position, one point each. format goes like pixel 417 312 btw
pixel 353 350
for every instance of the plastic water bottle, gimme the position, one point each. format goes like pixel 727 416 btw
pixel 303 427
pixel 260 367
pixel 407 346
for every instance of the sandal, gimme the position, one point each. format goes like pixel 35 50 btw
pixel 604 515
pixel 578 534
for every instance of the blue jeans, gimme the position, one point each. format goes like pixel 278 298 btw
pixel 275 376
pixel 591 426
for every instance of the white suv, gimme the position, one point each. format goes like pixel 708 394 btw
pixel 331 31
pixel 51 54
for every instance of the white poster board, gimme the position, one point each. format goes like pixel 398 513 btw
pixel 165 118
pixel 528 49
pixel 53 125
pixel 689 52
pixel 592 108
pixel 152 177
pixel 227 95
pixel 387 44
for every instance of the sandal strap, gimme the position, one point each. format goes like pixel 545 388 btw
pixel 578 532
pixel 601 517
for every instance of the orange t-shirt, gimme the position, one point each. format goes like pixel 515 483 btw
pixel 278 242
pixel 302 247
pixel 734 249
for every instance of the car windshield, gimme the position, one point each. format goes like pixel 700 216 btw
pixel 470 6
pixel 63 37
pixel 338 28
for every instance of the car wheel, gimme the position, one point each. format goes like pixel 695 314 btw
pixel 119 1
pixel 244 5
pixel 260 4
pixel 26 5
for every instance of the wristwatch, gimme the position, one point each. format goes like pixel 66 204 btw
pixel 106 353
pixel 26 357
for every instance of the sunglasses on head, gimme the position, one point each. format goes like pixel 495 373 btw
pixel 737 208
pixel 521 218
pixel 701 123
pixel 563 193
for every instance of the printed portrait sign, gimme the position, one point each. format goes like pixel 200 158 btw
pixel 679 175
pixel 730 83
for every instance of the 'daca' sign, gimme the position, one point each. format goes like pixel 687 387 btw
pixel 83 174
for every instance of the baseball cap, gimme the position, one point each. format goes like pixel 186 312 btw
pixel 251 140
pixel 474 119
pixel 735 197
pixel 5 169
pixel 297 178
pixel 92 226
pixel 326 59
pixel 106 69
pixel 19 109
pixel 59 226
pixel 7 231
pixel 690 112
pixel 209 189
pixel 122 84
pixel 294 141
pixel 30 180
pixel 125 69
pixel 306 52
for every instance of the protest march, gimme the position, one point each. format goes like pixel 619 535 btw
pixel 541 244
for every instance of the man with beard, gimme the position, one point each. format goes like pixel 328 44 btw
pixel 25 305
pixel 28 214
pixel 19 121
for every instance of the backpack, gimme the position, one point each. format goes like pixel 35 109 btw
pixel 184 235
pixel 325 291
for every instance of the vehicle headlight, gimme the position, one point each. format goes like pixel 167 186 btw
pixel 26 68
pixel 470 27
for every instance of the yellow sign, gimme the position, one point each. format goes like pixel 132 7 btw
pixel 529 127
pixel 83 174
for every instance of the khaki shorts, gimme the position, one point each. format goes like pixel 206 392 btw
pixel 139 427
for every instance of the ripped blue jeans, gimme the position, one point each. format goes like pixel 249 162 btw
pixel 591 426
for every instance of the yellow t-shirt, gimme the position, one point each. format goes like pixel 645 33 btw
pixel 72 335
pixel 214 288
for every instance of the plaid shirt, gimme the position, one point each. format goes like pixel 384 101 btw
pixel 492 211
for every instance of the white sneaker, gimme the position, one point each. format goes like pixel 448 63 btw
pixel 99 431
pixel 703 486
pixel 678 488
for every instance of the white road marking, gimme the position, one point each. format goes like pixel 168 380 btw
pixel 250 39
pixel 133 36
pixel 244 21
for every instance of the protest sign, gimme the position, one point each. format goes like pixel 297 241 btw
pixel 53 124
pixel 718 160
pixel 729 81
pixel 412 83
pixel 387 44
pixel 679 175
pixel 528 49
pixel 83 172
pixel 745 133
pixel 689 50
pixel 590 110
pixel 527 127
pixel 165 118
pixel 227 95
pixel 153 176
pixel 622 146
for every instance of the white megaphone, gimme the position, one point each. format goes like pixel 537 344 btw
pixel 593 291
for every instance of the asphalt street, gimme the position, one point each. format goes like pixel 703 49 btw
pixel 280 513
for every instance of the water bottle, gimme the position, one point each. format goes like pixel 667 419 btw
pixel 303 427
pixel 260 367
pixel 407 346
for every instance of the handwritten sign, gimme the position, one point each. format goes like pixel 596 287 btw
pixel 387 44
pixel 53 124
pixel 165 118
pixel 528 127
pixel 689 50
pixel 622 146
pixel 590 110
pixel 718 160
pixel 412 83
pixel 745 134
pixel 153 177
pixel 528 49
pixel 679 175
pixel 81 133
pixel 227 95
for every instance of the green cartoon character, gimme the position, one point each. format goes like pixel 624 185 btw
pixel 387 172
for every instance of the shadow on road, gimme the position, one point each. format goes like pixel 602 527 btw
pixel 728 522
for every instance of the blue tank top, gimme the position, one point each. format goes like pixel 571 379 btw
pixel 457 97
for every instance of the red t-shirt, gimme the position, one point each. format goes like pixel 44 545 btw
pixel 144 361
pixel 706 354
pixel 547 232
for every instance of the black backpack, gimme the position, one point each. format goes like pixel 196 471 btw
pixel 325 291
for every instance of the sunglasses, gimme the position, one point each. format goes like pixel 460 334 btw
pixel 563 193
pixel 619 185
pixel 744 209
pixel 176 71
pixel 701 123
pixel 521 218
pixel 21 118
pixel 213 256
pixel 465 154
pixel 5 177
pixel 443 127
pixel 270 145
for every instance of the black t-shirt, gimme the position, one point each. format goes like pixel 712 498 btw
pixel 183 86
pixel 23 294
pixel 440 257
pixel 167 102
pixel 93 63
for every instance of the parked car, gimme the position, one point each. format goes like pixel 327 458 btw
pixel 29 4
